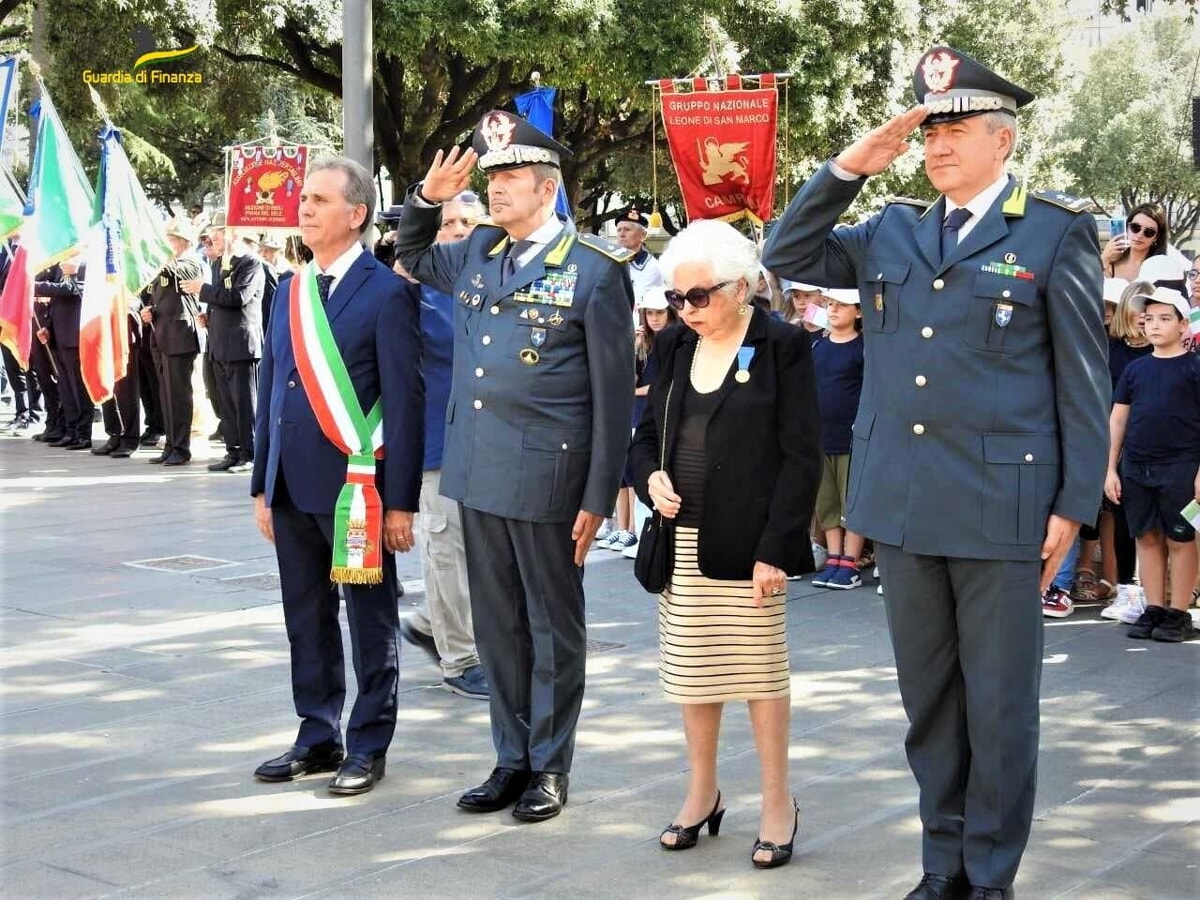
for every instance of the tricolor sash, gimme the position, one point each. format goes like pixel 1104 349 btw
pixel 358 516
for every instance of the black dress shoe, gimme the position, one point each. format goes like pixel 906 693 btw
pixel 420 639
pixel 543 799
pixel 122 452
pixel 107 447
pixel 987 893
pixel 175 458
pixel 358 774
pixel 300 761
pixel 149 439
pixel 80 444
pixel 224 464
pixel 49 436
pixel 939 887
pixel 65 441
pixel 502 788
pixel 161 458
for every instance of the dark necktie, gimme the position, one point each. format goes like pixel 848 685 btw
pixel 515 252
pixel 950 228
pixel 324 283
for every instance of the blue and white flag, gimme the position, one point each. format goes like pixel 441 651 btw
pixel 537 106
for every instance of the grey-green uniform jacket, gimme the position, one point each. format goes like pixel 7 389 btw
pixel 986 390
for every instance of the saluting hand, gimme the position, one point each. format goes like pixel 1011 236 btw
pixel 879 148
pixel 449 175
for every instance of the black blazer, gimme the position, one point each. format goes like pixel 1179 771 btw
pixel 763 445
pixel 234 301
pixel 66 304
pixel 174 312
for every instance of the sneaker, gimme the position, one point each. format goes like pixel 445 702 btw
pixel 412 635
pixel 844 578
pixel 879 590
pixel 471 683
pixel 1056 603
pixel 20 425
pixel 621 540
pixel 1128 607
pixel 630 552
pixel 1144 627
pixel 605 531
pixel 820 557
pixel 1176 626
pixel 822 578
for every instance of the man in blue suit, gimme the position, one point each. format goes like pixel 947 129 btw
pixel 300 474
pixel 979 446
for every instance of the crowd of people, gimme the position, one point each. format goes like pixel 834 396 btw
pixel 926 396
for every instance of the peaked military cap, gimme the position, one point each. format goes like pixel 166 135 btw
pixel 506 141
pixel 954 86
pixel 634 217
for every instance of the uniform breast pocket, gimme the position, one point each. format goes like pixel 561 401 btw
pixel 554 466
pixel 880 286
pixel 998 303
pixel 1020 480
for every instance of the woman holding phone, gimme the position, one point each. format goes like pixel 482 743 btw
pixel 1145 235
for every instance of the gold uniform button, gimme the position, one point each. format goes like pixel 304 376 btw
pixel 485 340
pixel 921 381
pixel 917 429
pixel 1028 457
pixel 478 404
pixel 938 284
pixel 926 332
pixel 479 373
pixel 495 310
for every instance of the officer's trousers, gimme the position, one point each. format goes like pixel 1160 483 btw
pixel 526 587
pixel 967 636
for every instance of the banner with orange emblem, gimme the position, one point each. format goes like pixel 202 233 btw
pixel 264 185
pixel 722 140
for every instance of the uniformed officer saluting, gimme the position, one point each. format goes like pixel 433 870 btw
pixel 536 433
pixel 979 443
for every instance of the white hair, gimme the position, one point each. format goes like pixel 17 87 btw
pixel 731 255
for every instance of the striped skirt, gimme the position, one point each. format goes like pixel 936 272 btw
pixel 714 643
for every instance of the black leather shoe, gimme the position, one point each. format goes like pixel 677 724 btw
pixel 358 774
pixel 107 447
pixel 175 458
pixel 543 799
pixel 149 438
pixel 48 436
pixel 300 761
pixel 939 887
pixel 420 639
pixel 224 464
pixel 80 444
pixel 64 441
pixel 987 893
pixel 122 452
pixel 501 789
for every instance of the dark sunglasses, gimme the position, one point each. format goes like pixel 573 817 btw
pixel 697 296
pixel 1150 231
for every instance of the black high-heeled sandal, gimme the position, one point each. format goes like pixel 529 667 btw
pixel 781 854
pixel 686 836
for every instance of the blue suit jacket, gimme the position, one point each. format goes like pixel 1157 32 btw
pixel 985 395
pixel 374 316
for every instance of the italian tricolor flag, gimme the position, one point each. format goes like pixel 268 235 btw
pixel 358 516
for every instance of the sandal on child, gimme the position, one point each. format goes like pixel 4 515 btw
pixel 1087 589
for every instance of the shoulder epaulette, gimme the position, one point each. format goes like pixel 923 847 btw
pixel 909 201
pixel 613 251
pixel 1064 201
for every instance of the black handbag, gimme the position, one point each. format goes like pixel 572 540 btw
pixel 656 545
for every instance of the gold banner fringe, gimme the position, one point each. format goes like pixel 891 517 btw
pixel 348 575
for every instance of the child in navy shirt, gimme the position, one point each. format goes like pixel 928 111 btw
pixel 1155 429
pixel 838 362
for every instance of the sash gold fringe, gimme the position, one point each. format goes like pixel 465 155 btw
pixel 348 575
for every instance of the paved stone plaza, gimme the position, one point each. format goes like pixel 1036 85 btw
pixel 145 675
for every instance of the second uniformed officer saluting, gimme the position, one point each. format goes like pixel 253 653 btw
pixel 979 445
pixel 536 433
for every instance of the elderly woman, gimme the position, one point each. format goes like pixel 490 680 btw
pixel 732 414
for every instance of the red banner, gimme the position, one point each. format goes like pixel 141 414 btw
pixel 723 147
pixel 264 186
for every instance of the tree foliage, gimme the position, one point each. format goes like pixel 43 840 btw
pixel 1127 138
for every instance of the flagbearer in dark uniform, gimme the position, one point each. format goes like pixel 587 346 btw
pixel 979 445
pixel 172 315
pixel 536 433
